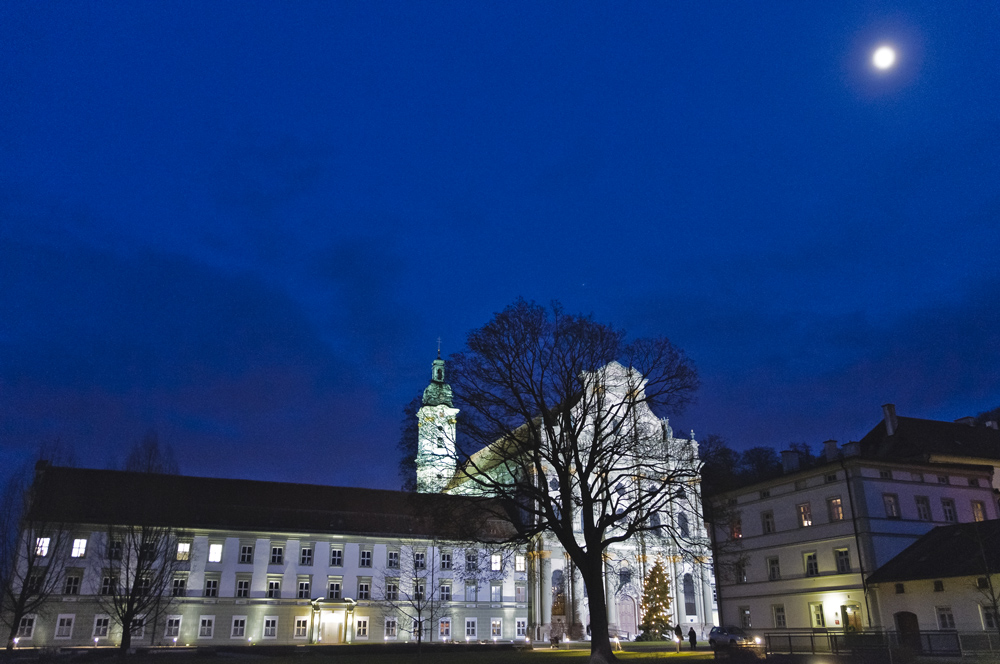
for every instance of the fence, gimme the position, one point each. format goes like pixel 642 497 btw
pixel 943 642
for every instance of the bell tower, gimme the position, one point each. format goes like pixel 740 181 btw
pixel 436 425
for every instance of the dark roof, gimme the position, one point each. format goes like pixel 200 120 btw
pixel 106 497
pixel 946 551
pixel 916 438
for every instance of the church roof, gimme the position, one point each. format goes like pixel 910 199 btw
pixel 946 551
pixel 105 497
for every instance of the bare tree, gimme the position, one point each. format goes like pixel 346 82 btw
pixel 411 588
pixel 33 552
pixel 559 426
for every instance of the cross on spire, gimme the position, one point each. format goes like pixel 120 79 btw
pixel 439 348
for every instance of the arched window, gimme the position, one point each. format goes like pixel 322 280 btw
pixel 689 606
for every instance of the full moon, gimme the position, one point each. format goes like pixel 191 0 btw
pixel 884 57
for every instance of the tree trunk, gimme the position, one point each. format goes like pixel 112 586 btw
pixel 600 639
pixel 126 638
pixel 13 632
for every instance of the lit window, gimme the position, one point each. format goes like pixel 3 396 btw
pixel 215 553
pixel 79 548
pixel 183 550
pixel 805 515
pixel 519 563
pixel 835 509
pixel 444 629
pixel 42 546
pixel 736 529
pixel 496 628
pixel 978 510
pixel 495 562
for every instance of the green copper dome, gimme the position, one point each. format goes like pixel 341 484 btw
pixel 438 393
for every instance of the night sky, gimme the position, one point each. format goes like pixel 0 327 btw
pixel 244 225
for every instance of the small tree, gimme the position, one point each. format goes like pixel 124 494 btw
pixel 33 552
pixel 410 587
pixel 655 604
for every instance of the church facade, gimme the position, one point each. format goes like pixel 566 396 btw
pixel 558 605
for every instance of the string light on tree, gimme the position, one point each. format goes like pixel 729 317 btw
pixel 655 604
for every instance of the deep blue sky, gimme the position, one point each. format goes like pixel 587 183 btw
pixel 244 225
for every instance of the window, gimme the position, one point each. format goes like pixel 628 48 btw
pixel 946 620
pixel 973 481
pixel 420 560
pixel 496 628
pixel 211 587
pixel 740 572
pixel 444 629
pixel 744 612
pixel 333 590
pixel 446 560
pixel 366 558
pixel 885 474
pixel 830 477
pixel 923 508
pixel 79 548
pixel 336 557
pixel 42 546
pixel 273 588
pixel 173 627
pixel 470 628
pixel 107 585
pixel 246 553
pixel 392 560
pixel 982 583
pixel 26 628
pixel 243 587
pixel 215 553
pixel 277 555
pixel 364 590
pixel 835 509
pixel 778 610
pixel 812 565
pixel 270 627
pixel 736 529
pixel 519 564
pixel 766 493
pixel 391 590
pixel 183 550
pixel 35 584
pixel 891 503
pixel 767 522
pixel 178 587
pixel 101 626
pixel 143 586
pixel 418 590
pixel 843 559
pixel 521 627
pixel 239 627
pixel 306 555
pixel 989 617
pixel 496 563
pixel 942 479
pixel 471 561
pixel 805 515
pixel 978 510
pixel 471 591
pixel 445 592
pixel 816 617
pixel 496 592
pixel 361 627
pixel 138 627
pixel 900 589
pixel 115 550
pixel 303 589
pixel 773 569
pixel 948 507
pixel 64 626
pixel 390 627
pixel 917 477
pixel 72 586
pixel 520 592
pixel 938 586
pixel 301 627
pixel 206 627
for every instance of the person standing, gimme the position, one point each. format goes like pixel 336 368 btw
pixel 693 638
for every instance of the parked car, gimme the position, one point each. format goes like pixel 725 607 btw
pixel 723 637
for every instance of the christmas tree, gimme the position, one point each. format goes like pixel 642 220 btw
pixel 655 604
